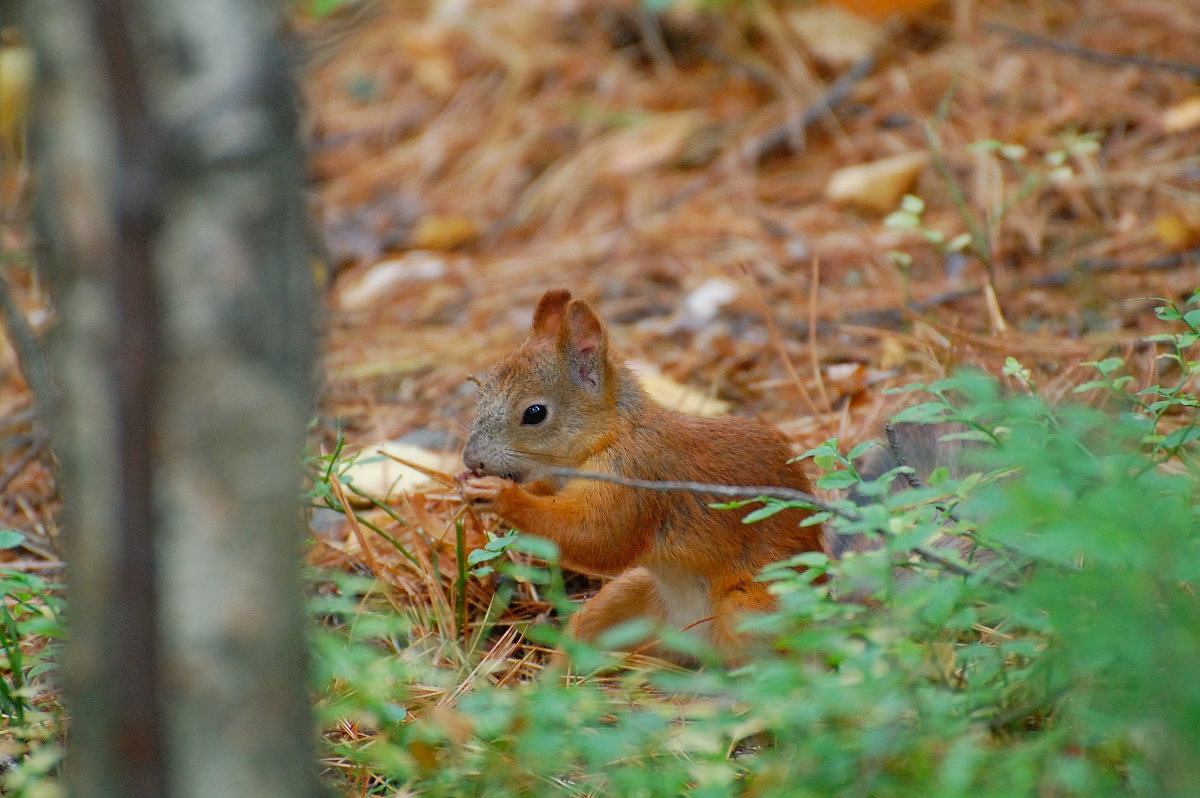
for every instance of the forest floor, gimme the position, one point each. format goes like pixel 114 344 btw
pixel 676 172
pixel 682 174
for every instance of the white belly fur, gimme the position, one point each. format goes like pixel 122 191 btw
pixel 685 599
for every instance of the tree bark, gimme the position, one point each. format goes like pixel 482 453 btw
pixel 170 201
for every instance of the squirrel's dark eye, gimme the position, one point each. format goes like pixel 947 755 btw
pixel 534 415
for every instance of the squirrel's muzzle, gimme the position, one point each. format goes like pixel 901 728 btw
pixel 472 458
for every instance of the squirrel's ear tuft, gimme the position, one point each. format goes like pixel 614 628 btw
pixel 547 319
pixel 584 343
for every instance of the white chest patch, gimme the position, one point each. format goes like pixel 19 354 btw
pixel 685 599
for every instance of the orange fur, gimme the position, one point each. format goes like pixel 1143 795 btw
pixel 676 561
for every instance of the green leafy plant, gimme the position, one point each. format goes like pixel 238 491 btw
pixel 1151 406
pixel 982 223
pixel 31 630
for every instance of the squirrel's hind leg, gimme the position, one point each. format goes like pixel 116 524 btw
pixel 633 595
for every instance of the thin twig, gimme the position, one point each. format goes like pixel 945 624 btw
pixel 898 453
pixel 814 287
pixel 19 418
pixel 727 491
pixel 31 357
pixel 783 135
pixel 1033 40
pixel 750 492
pixel 925 553
pixel 910 475
pixel 436 476
pixel 352 517
pixel 31 454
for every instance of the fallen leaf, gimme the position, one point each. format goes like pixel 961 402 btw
pixel 894 352
pixel 670 394
pixel 876 186
pixel 649 144
pixel 1175 232
pixel 364 289
pixel 882 9
pixel 444 233
pixel 1181 117
pixel 430 50
pixel 834 35
pixel 847 379
pixel 380 476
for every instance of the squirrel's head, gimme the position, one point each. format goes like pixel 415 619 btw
pixel 552 402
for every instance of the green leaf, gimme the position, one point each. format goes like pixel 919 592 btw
pixel 912 203
pixel 908 388
pixel 733 505
pixel 1012 152
pixel 323 8
pixel 501 543
pixel 392 712
pixel 837 480
pixel 857 451
pixel 540 548
pixel 477 556
pixel 1084 146
pixel 926 411
pixel 959 242
pixel 1168 313
pixel 1181 437
pixel 766 511
pixel 1060 175
pixel 10 538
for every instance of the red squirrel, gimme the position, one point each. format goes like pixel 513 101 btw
pixel 564 399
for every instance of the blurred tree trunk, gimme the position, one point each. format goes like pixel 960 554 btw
pixel 169 184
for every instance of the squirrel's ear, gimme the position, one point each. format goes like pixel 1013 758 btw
pixel 585 344
pixel 547 318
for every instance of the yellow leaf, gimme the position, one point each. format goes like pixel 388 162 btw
pixel 1181 117
pixel 444 233
pixel 1175 232
pixel 670 394
pixel 876 186
pixel 16 85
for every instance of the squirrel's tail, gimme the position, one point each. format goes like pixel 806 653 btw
pixel 920 447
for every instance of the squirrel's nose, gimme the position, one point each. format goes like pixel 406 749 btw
pixel 471 458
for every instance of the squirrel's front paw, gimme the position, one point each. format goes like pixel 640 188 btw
pixel 483 493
